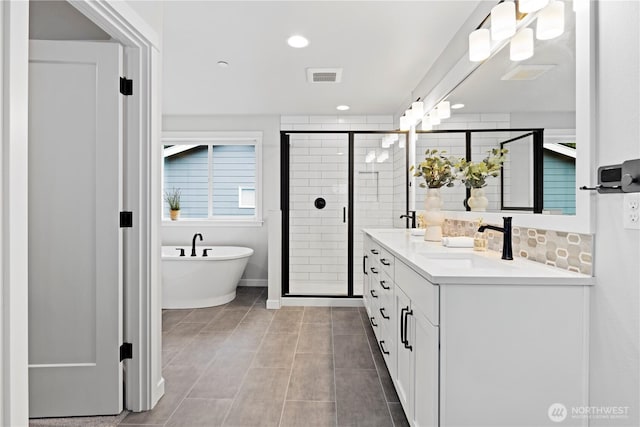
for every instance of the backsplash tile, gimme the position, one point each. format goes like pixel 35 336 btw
pixel 568 251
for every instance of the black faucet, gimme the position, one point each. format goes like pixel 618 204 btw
pixel 193 243
pixel 507 249
pixel 410 215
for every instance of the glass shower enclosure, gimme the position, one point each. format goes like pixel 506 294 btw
pixel 334 184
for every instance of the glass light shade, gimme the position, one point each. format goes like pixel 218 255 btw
pixel 521 46
pixel 404 123
pixel 417 109
pixel 503 20
pixel 383 156
pixel 433 118
pixel 401 142
pixel 528 6
pixel 371 156
pixel 550 22
pixel 479 45
pixel 444 110
pixel 393 137
pixel 426 123
pixel 386 142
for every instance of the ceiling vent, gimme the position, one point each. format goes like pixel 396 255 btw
pixel 527 72
pixel 324 75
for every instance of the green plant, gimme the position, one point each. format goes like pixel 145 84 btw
pixel 173 199
pixel 475 174
pixel 436 169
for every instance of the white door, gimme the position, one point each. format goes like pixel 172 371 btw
pixel 75 243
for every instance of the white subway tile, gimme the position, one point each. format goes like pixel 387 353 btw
pixel 382 119
pixel 294 119
pixel 323 119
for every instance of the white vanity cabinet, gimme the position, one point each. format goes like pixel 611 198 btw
pixel 469 350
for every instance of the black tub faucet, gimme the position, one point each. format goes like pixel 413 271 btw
pixel 507 249
pixel 193 243
pixel 410 215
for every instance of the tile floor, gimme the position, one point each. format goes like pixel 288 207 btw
pixel 243 365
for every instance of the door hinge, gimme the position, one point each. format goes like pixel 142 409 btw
pixel 126 219
pixel 126 351
pixel 126 86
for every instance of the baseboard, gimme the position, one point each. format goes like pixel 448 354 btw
pixel 321 302
pixel 157 393
pixel 257 283
pixel 273 304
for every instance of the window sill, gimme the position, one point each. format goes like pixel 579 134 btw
pixel 212 223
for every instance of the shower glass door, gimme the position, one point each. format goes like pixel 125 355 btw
pixel 318 218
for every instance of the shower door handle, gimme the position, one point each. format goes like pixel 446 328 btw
pixel 344 214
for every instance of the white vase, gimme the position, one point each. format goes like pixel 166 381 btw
pixel 433 217
pixel 478 202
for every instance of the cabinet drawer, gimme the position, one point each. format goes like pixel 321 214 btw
pixel 421 292
pixel 387 262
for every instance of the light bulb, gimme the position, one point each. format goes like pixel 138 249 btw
pixel 479 45
pixel 550 22
pixel 521 46
pixel 503 20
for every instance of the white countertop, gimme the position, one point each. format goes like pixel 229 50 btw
pixel 464 266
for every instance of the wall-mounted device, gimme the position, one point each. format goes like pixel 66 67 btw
pixel 622 178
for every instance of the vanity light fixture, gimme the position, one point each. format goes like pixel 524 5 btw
pixel 479 45
pixel 386 141
pixel 503 20
pixel 405 123
pixel 371 156
pixel 417 110
pixel 426 123
pixel 521 46
pixel 342 107
pixel 434 119
pixel 444 110
pixel 383 156
pixel 457 106
pixel 550 21
pixel 297 41
pixel 528 6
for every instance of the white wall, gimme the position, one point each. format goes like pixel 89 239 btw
pixel 151 11
pixel 58 20
pixel 253 237
pixel 615 302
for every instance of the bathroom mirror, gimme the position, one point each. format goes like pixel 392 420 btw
pixel 538 93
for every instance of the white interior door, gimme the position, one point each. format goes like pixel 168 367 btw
pixel 75 243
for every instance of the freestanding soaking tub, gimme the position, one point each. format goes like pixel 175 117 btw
pixel 195 282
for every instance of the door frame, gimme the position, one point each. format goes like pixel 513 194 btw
pixel 142 312
pixel 285 161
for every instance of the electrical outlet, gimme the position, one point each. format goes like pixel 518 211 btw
pixel 631 210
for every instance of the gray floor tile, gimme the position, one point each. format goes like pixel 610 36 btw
pixel 245 339
pixel 170 318
pixel 317 315
pixel 398 416
pixel 360 400
pixel 258 315
pixel 315 338
pixel 204 315
pixel 178 337
pixel 276 351
pixel 290 316
pixel 223 378
pixel 160 414
pixel 352 351
pixel 347 323
pixel 200 413
pixel 201 350
pixel 284 326
pixel 312 378
pixel 259 402
pixel 308 414
pixel 228 320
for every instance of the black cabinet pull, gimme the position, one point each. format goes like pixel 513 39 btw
pixel 405 339
pixel 374 271
pixel 373 251
pixel 383 314
pixel 382 283
pixel 372 322
pixel 372 292
pixel 385 262
pixel 402 326
pixel 344 214
pixel 364 264
pixel 382 347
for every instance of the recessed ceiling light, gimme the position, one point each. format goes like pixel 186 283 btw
pixel 342 107
pixel 223 64
pixel 297 41
pixel 457 106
